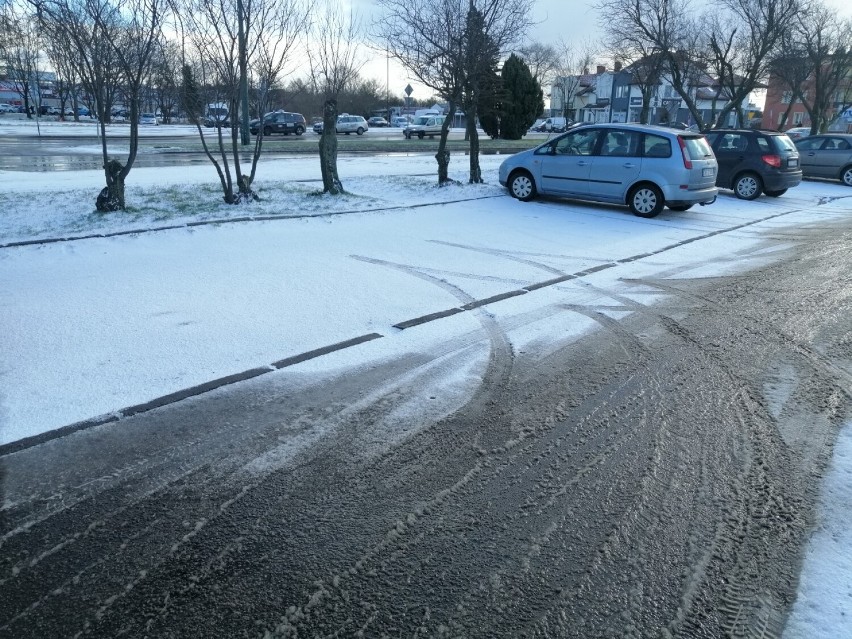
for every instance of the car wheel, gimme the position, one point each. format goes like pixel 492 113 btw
pixel 777 193
pixel 360 131
pixel 747 186
pixel 420 135
pixel 846 176
pixel 267 131
pixel 679 207
pixel 407 136
pixel 521 186
pixel 646 200
pixel 299 130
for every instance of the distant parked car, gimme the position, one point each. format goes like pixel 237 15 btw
pixel 378 121
pixel 280 122
pixel 644 167
pixel 754 162
pixel 827 156
pixel 424 125
pixel 797 133
pixel 552 125
pixel 400 121
pixel 351 124
pixel 7 108
pixel 83 112
pixel 148 119
pixel 318 127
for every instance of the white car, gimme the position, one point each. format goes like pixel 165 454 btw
pixel 147 118
pixel 799 132
pixel 7 108
pixel 351 124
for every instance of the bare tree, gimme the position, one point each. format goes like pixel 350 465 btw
pixel 575 60
pixel 435 42
pixel 236 43
pixel 543 61
pixel 427 37
pixel 670 29
pixel 115 41
pixel 20 51
pixel 742 43
pixel 336 60
pixel 826 41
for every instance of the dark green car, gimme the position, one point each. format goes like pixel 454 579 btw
pixel 828 155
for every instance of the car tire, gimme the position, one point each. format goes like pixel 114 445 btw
pixel 646 200
pixel 420 135
pixel 267 131
pixel 299 130
pixel 360 131
pixel 846 175
pixel 777 193
pixel 407 136
pixel 747 186
pixel 522 186
pixel 679 207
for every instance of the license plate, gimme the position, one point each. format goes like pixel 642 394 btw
pixel 707 172
pixel 793 162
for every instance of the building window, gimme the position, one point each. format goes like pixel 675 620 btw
pixel 798 117
pixel 786 97
pixel 622 91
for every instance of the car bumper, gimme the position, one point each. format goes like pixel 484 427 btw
pixel 780 181
pixel 673 193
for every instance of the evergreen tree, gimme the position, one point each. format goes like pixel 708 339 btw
pixel 522 99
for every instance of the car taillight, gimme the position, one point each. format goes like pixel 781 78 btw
pixel 772 160
pixel 687 163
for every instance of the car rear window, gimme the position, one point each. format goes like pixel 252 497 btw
pixel 783 143
pixel 697 147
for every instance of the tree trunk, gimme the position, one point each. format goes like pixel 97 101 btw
pixel 443 155
pixel 475 169
pixel 328 149
pixel 111 198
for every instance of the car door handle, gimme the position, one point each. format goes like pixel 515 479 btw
pixel 582 163
pixel 628 165
pixel 811 154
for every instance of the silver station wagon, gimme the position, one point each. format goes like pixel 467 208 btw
pixel 644 167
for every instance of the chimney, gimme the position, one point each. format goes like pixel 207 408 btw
pixel 617 66
pixel 601 69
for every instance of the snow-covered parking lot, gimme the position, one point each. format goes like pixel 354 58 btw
pixel 104 312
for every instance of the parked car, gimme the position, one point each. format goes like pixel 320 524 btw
pixel 318 127
pixel 400 121
pixel 424 125
pixel 280 122
pixel 83 111
pixel 755 162
pixel 644 167
pixel 377 121
pixel 148 119
pixel 827 156
pixel 7 108
pixel 351 124
pixel 797 133
pixel 553 125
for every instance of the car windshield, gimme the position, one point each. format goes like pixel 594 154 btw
pixel 421 119
pixel 783 143
pixel 697 148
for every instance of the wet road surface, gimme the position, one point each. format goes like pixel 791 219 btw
pixel 655 478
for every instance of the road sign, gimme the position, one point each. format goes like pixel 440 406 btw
pixel 408 90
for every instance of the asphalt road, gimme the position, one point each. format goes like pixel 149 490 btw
pixel 58 152
pixel 656 478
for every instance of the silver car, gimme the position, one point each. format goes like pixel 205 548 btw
pixel 352 124
pixel 827 156
pixel 644 167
